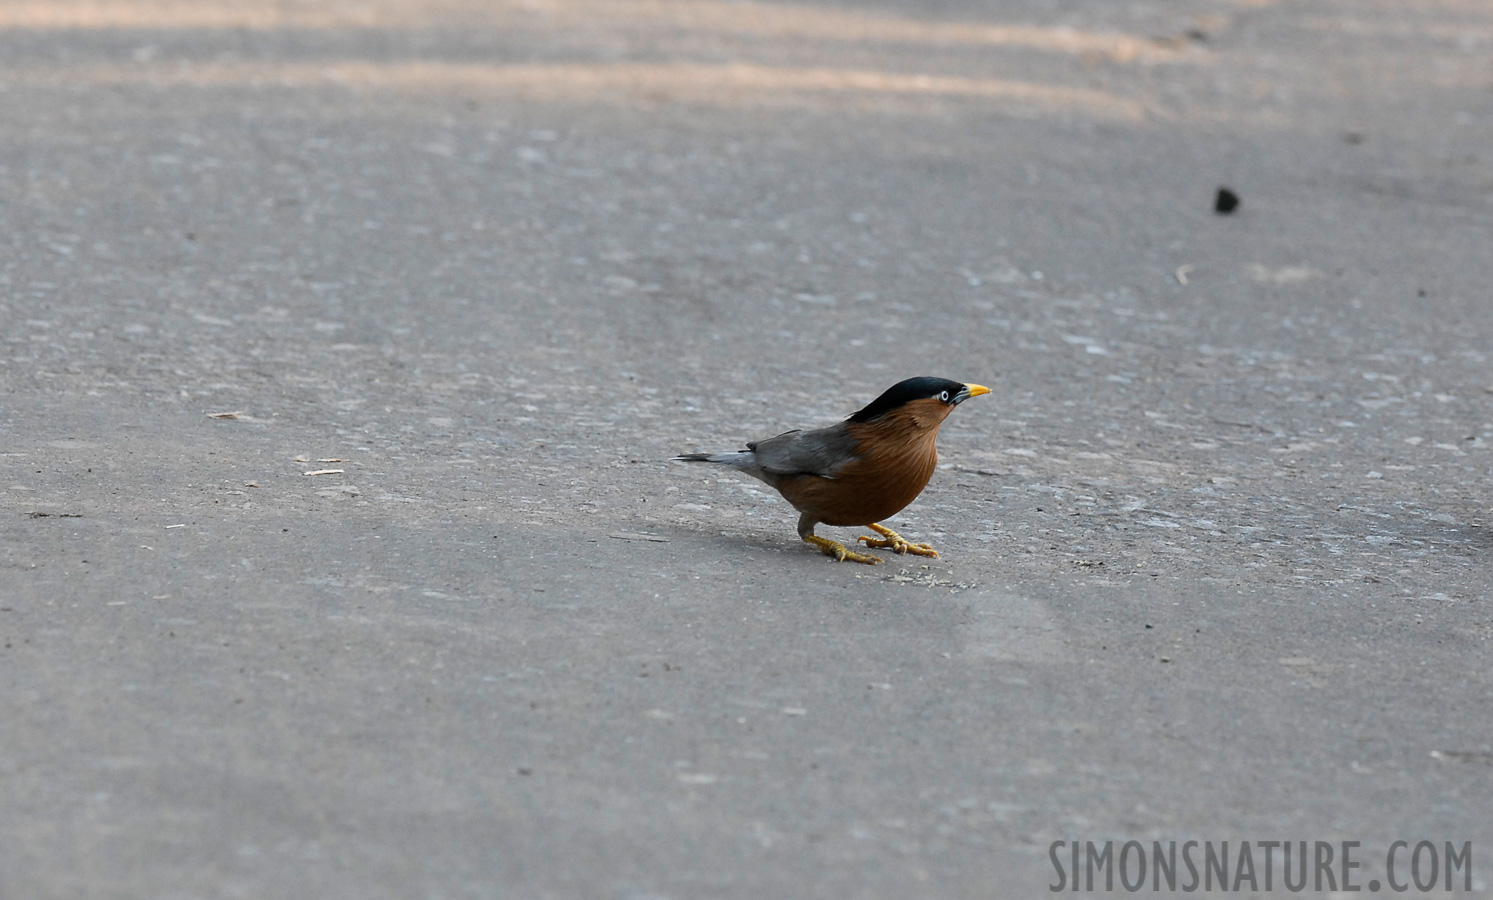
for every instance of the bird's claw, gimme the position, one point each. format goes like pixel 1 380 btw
pixel 839 551
pixel 899 546
pixel 891 540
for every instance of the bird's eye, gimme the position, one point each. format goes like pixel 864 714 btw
pixel 944 396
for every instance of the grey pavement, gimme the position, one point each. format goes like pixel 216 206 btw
pixel 1215 551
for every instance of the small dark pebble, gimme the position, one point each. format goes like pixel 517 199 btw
pixel 1226 202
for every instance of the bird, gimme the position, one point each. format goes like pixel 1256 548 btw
pixel 860 470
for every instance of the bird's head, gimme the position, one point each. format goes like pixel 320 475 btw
pixel 929 400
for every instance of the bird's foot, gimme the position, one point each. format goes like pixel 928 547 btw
pixel 839 551
pixel 891 540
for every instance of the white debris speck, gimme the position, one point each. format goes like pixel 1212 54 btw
pixel 697 778
pixel 1283 275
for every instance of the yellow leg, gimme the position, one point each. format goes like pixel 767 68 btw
pixel 839 550
pixel 894 542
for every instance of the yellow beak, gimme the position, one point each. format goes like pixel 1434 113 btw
pixel 976 390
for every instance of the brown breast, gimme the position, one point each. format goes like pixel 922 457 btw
pixel 896 455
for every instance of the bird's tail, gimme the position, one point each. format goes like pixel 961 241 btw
pixel 740 459
pixel 744 461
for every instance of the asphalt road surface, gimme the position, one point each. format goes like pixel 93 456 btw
pixel 343 345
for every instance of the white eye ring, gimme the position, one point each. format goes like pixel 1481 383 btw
pixel 944 396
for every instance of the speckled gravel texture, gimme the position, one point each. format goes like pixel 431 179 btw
pixel 1216 549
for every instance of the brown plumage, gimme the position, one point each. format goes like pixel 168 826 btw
pixel 859 471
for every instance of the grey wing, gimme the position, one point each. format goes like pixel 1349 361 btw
pixel 819 452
